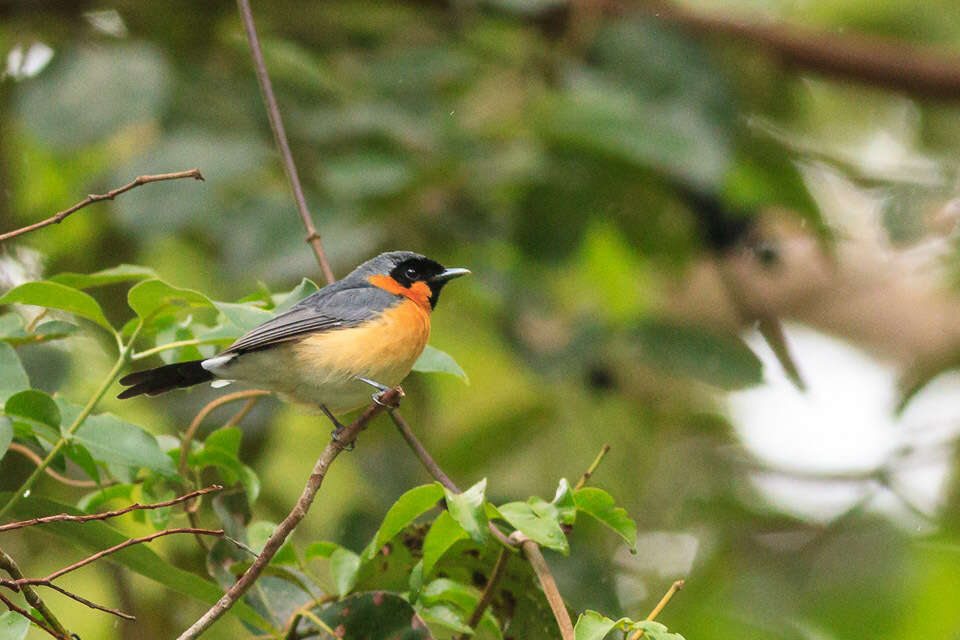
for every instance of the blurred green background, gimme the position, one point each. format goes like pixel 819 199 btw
pixel 548 148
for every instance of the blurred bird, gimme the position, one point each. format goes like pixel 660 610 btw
pixel 363 331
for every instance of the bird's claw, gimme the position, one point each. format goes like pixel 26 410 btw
pixel 335 435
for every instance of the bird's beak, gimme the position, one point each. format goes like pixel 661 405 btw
pixel 449 274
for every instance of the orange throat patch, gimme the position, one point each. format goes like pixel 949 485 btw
pixel 419 292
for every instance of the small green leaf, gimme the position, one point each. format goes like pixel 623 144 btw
pixel 344 565
pixel 443 534
pixel 563 501
pixel 301 291
pixel 593 626
pixel 12 376
pixel 34 405
pixel 152 296
pixel 13 626
pixel 432 360
pixel 113 275
pixel 92 502
pixel 654 630
pixel 544 530
pixel 405 510
pixel 114 441
pixel 468 510
pixel 444 615
pixel 599 504
pixel 56 296
pixel 83 459
pixel 257 535
pixel 6 435
pixel 243 316
pixel 321 550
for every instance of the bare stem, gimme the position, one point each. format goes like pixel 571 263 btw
pixel 418 449
pixel 93 197
pixel 664 601
pixel 592 468
pixel 280 136
pixel 65 517
pixel 489 591
pixel 532 552
pixel 286 527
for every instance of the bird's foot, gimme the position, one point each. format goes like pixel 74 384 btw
pixel 336 433
pixel 381 389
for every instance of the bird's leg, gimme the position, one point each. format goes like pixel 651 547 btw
pixel 381 389
pixel 335 434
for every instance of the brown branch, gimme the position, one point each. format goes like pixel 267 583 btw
pixel 280 136
pixel 93 197
pixel 418 449
pixel 92 605
pixel 871 60
pixel 28 453
pixel 106 552
pixel 286 527
pixel 107 514
pixel 9 565
pixel 26 614
pixel 499 568
pixel 532 552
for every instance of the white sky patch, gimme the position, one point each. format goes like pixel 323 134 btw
pixel 845 423
pixel 107 21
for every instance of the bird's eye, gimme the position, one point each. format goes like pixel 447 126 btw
pixel 411 273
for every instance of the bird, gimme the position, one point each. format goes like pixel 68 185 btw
pixel 366 330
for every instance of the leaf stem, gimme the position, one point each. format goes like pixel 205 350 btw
pixel 195 342
pixel 122 360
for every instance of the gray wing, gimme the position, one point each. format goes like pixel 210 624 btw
pixel 339 305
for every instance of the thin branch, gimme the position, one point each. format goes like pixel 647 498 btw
pixel 875 61
pixel 432 467
pixel 592 468
pixel 286 527
pixel 92 605
pixel 499 568
pixel 9 565
pixel 28 453
pixel 93 197
pixel 664 601
pixel 106 552
pixel 61 517
pixel 26 614
pixel 532 552
pixel 280 135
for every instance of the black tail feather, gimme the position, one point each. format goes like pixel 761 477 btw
pixel 162 379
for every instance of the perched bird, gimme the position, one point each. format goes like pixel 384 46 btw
pixel 365 330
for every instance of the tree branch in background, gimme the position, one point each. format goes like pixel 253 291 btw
pixel 9 565
pixel 93 197
pixel 280 135
pixel 286 527
pixel 65 517
pixel 879 62
pixel 33 457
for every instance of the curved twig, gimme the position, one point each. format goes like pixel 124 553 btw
pixel 28 453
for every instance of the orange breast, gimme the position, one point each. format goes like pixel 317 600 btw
pixel 382 349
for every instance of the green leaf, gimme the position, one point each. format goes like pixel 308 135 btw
pixel 243 316
pixel 599 504
pixel 6 435
pixel 301 291
pixel 654 630
pixel 257 535
pixel 723 360
pixel 375 615
pixel 114 441
pixel 563 501
pixel 150 297
pixel 593 626
pixel 83 459
pixel 97 536
pixel 443 534
pixel 544 530
pixel 432 360
pixel 467 509
pixel 57 296
pixel 12 376
pixel 344 565
pixel 221 449
pixel 321 550
pixel 92 502
pixel 13 626
pixel 405 510
pixel 445 616
pixel 113 275
pixel 35 405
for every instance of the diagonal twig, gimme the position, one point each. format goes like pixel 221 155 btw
pixel 65 517
pixel 94 197
pixel 299 511
pixel 26 614
pixel 9 565
pixel 280 136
